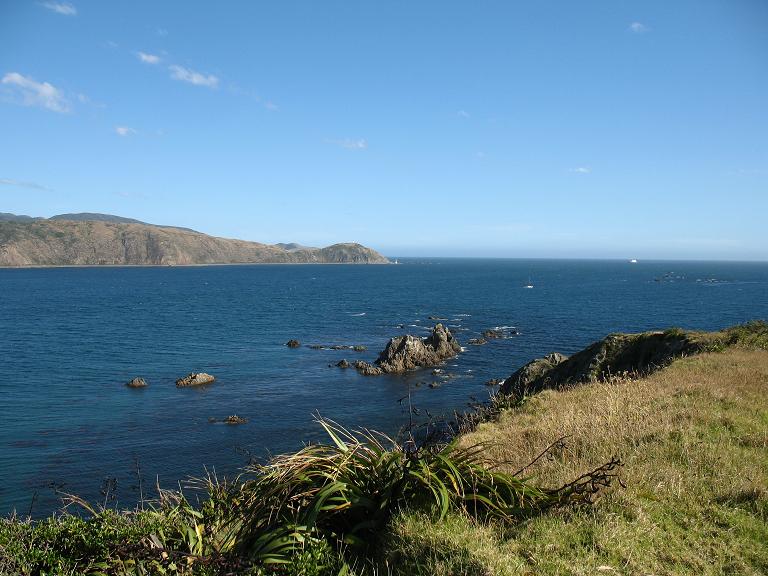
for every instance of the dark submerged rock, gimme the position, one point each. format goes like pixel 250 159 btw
pixel 477 341
pixel 293 343
pixel 493 333
pixel 343 363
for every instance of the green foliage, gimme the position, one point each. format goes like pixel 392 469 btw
pixel 348 490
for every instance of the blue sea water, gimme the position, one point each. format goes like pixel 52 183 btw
pixel 71 337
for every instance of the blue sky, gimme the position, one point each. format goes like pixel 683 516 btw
pixel 520 129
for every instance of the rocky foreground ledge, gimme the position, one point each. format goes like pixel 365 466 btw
pixel 408 352
pixel 631 355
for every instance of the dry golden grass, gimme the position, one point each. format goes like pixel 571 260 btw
pixel 694 442
pixel 622 417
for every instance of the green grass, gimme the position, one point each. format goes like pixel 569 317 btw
pixel 694 441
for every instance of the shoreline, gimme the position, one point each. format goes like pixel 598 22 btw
pixel 47 266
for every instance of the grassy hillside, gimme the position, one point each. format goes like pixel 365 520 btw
pixel 693 495
pixel 694 442
pixel 66 242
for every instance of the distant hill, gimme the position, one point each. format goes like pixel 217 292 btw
pixel 101 239
pixel 95 217
pixel 8 217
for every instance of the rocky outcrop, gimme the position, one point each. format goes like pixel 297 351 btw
pixel 235 419
pixel 367 369
pixel 97 239
pixel 195 379
pixel 617 354
pixel 343 363
pixel 293 343
pixel 408 352
pixel 136 383
pixel 532 375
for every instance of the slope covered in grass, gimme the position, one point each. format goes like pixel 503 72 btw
pixel 694 442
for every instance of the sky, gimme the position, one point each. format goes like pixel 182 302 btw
pixel 558 129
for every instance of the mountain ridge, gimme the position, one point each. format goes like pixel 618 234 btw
pixel 90 239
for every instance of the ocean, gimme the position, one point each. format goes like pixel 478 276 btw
pixel 70 338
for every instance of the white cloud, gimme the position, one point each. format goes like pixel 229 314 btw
pixel 148 58
pixel 32 93
pixel 192 77
pixel 22 184
pixel 638 27
pixel 124 130
pixel 64 8
pixel 351 144
pixel 581 170
pixel 462 114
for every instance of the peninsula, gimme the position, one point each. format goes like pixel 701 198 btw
pixel 102 239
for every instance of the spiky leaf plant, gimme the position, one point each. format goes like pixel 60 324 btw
pixel 348 489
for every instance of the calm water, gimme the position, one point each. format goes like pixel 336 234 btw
pixel 70 339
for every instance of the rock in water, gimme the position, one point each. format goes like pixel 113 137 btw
pixel 409 352
pixel 293 343
pixel 235 419
pixel 195 379
pixel 136 383
pixel 493 333
pixel 343 364
pixel 367 369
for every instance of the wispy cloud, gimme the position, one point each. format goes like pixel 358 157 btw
pixel 638 28
pixel 124 130
pixel 28 92
pixel 581 170
pixel 63 8
pixel 148 58
pixel 462 114
pixel 350 143
pixel 23 184
pixel 192 77
pixel 271 106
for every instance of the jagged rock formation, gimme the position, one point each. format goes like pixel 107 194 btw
pixel 617 354
pixel 194 379
pixel 136 383
pixel 76 240
pixel 409 352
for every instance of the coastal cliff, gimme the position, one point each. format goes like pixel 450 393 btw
pixel 97 239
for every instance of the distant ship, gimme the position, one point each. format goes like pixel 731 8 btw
pixel 529 285
pixel 633 261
